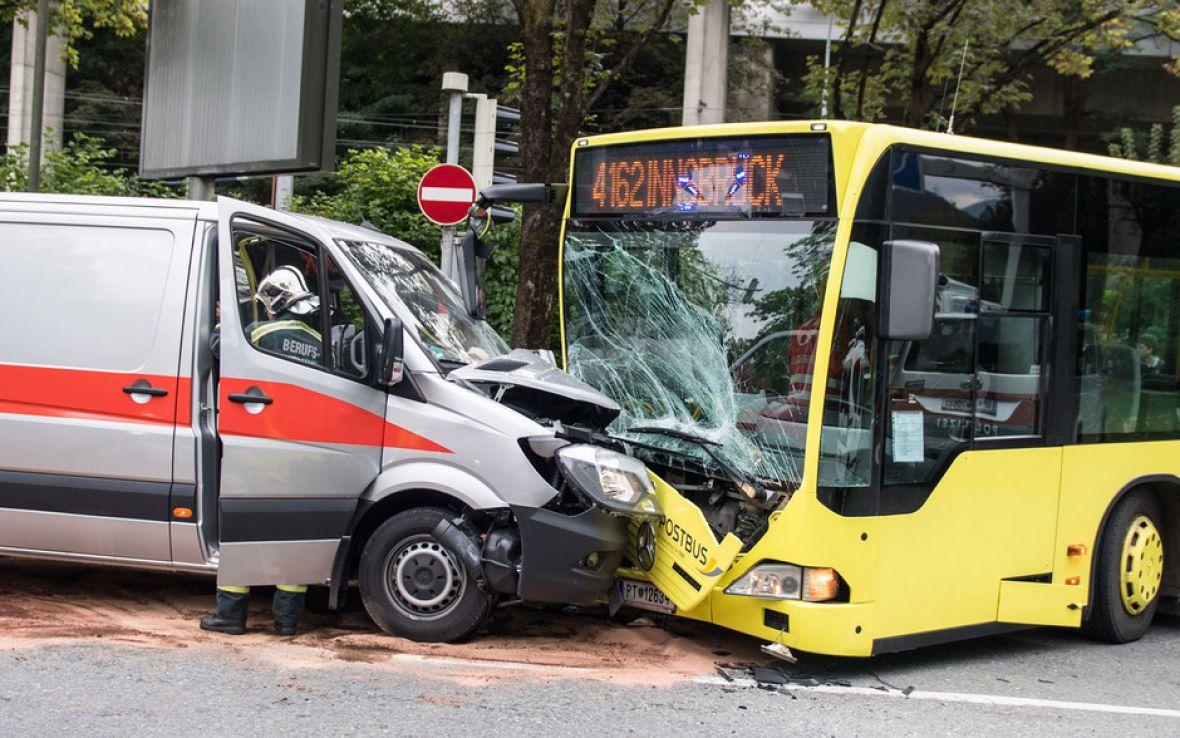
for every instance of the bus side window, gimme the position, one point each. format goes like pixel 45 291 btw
pixel 1129 374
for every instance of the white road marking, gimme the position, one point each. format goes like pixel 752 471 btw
pixel 448 194
pixel 959 697
pixel 917 694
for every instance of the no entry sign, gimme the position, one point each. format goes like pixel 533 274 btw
pixel 446 193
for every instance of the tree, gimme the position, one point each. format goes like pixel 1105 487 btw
pixel 911 52
pixel 380 187
pixel 77 19
pixel 571 51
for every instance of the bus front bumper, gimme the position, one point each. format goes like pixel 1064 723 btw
pixel 829 628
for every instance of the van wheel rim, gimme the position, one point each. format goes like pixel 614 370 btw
pixel 423 579
pixel 1141 568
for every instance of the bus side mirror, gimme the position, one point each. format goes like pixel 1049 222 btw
pixel 392 366
pixel 910 284
pixel 529 192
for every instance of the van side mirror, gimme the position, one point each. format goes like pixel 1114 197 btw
pixel 392 367
pixel 472 256
pixel 910 284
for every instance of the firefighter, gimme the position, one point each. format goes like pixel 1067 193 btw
pixel 285 298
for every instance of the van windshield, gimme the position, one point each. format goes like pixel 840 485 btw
pixel 427 301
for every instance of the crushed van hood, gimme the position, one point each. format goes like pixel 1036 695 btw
pixel 531 385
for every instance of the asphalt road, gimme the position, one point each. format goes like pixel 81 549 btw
pixel 156 680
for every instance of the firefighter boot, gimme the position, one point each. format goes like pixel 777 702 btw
pixel 233 604
pixel 287 607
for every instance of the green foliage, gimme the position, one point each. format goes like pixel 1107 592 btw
pixel 909 53
pixel 76 20
pixel 1126 143
pixel 380 186
pixel 82 167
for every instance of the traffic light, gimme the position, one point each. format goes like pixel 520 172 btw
pixel 494 123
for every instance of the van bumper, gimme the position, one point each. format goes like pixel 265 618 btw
pixel 568 558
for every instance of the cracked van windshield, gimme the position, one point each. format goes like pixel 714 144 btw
pixel 703 327
pixel 427 301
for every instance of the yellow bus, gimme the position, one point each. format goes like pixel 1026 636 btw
pixel 895 387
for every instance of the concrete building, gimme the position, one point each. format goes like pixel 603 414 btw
pixel 20 84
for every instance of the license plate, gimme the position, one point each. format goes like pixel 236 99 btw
pixel 645 596
pixel 985 405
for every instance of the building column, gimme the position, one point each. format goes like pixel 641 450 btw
pixel 751 93
pixel 20 84
pixel 706 62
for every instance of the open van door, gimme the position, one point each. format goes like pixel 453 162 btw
pixel 300 424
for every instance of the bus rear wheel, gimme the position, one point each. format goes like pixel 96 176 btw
pixel 1129 572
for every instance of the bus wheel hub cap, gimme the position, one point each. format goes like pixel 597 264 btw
pixel 425 576
pixel 1141 567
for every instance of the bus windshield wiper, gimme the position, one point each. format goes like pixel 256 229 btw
pixel 747 483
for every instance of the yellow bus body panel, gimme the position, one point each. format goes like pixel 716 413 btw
pixel 689 560
pixel 989 545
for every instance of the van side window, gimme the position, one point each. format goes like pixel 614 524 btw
pixel 346 321
pixel 279 294
pixel 98 292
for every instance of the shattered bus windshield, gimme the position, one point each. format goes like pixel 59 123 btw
pixel 702 327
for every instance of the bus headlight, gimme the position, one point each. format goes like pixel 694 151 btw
pixel 613 481
pixel 774 581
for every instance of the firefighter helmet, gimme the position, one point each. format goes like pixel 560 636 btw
pixel 285 290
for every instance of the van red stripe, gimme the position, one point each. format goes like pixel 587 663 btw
pixel 299 414
pixel 82 394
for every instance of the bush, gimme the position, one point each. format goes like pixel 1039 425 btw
pixel 1152 146
pixel 82 167
pixel 380 186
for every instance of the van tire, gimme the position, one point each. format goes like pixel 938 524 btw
pixel 457 605
pixel 1108 618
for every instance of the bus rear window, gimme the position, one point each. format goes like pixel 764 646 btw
pixel 765 176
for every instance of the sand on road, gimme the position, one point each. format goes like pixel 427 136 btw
pixel 45 603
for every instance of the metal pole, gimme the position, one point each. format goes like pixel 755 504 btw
pixel 200 188
pixel 454 123
pixel 823 113
pixel 35 124
pixel 483 141
pixel 282 188
pixel 456 84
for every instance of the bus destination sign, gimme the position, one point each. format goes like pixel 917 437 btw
pixel 709 177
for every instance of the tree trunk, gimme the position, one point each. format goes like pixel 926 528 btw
pixel 534 280
pixel 545 141
pixel 837 81
pixel 1075 110
pixel 921 96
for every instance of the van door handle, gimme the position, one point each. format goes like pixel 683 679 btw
pixel 145 389
pixel 248 397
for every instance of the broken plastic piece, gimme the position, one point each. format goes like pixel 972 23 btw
pixel 779 651
pixel 769 675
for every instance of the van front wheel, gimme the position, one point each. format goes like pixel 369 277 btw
pixel 414 586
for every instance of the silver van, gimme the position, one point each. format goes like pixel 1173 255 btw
pixel 145 422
